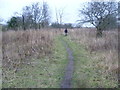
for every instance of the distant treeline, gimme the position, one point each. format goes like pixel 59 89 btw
pixel 34 16
pixel 102 15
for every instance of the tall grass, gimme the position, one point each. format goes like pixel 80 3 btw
pixel 103 50
pixel 20 47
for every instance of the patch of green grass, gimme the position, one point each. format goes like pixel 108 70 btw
pixel 42 73
pixel 48 72
pixel 86 72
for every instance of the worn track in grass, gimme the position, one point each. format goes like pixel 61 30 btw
pixel 66 82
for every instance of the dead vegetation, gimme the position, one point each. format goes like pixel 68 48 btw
pixel 20 47
pixel 103 50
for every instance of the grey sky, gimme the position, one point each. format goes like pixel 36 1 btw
pixel 8 7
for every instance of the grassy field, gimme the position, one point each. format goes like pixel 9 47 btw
pixel 37 59
pixel 102 53
pixel 19 48
pixel 88 70
pixel 45 72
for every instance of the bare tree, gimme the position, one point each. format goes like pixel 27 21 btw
pixel 45 15
pixel 27 17
pixel 37 15
pixel 34 16
pixel 60 12
pixel 59 16
pixel 99 14
pixel 57 21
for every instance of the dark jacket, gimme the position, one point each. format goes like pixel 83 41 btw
pixel 66 31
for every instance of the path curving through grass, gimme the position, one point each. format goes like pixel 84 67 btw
pixel 66 82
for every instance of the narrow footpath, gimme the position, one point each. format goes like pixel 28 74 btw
pixel 66 82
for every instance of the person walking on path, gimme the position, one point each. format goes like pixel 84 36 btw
pixel 66 32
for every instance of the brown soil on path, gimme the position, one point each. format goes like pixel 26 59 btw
pixel 66 82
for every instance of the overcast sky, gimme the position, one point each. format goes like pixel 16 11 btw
pixel 8 7
pixel 71 7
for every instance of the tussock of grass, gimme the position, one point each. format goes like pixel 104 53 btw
pixel 88 70
pixel 37 59
pixel 42 72
pixel 105 47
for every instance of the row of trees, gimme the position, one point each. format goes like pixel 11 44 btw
pixel 57 25
pixel 102 15
pixel 33 16
pixel 36 16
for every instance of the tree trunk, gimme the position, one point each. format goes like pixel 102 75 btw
pixel 23 22
pixel 35 26
pixel 39 25
pixel 99 33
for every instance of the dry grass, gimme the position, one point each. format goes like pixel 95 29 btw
pixel 19 47
pixel 104 50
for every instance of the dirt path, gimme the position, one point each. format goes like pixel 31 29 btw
pixel 66 82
